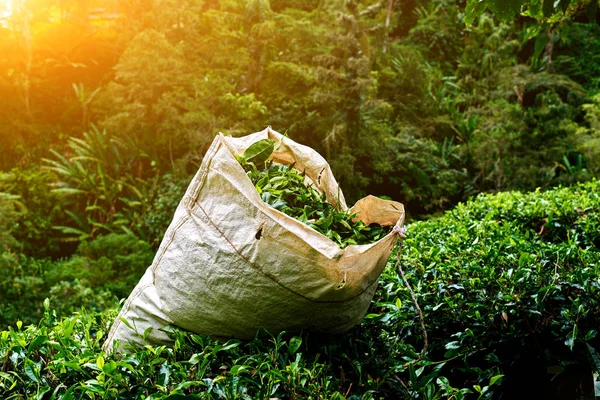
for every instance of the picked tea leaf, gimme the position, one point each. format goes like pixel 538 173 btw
pixel 284 188
pixel 259 152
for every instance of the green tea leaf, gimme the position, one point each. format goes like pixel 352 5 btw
pixel 32 370
pixel 295 344
pixel 100 362
pixel 259 152
pixel 164 374
pixel 494 379
pixel 595 357
pixel 37 342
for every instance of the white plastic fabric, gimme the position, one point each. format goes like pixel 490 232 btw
pixel 229 264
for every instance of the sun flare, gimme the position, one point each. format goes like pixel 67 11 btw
pixel 5 11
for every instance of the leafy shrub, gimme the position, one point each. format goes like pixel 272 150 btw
pixel 169 193
pixel 587 138
pixel 22 288
pixel 576 54
pixel 522 145
pixel 425 173
pixel 508 285
pixel 100 272
pixel 114 262
pixel 107 185
pixel 10 211
pixel 507 282
pixel 37 206
pixel 213 369
pixel 70 296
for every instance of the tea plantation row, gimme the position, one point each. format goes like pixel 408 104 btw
pixel 508 284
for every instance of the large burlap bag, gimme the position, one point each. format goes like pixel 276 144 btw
pixel 229 264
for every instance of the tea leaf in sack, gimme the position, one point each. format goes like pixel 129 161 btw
pixel 283 188
pixel 259 152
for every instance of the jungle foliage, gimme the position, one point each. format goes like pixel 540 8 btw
pixel 425 101
pixel 107 108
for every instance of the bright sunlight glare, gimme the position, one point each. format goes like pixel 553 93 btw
pixel 5 12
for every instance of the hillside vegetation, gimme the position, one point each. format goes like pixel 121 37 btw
pixel 425 102
pixel 402 98
pixel 481 116
pixel 508 285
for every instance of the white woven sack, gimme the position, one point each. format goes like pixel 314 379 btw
pixel 229 264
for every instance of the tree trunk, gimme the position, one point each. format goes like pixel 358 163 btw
pixel 549 49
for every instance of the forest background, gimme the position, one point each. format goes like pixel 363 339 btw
pixel 107 107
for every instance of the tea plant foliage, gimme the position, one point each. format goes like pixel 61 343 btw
pixel 508 283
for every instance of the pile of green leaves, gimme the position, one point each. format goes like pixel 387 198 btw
pixel 285 189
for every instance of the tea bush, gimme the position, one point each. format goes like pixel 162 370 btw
pixel 100 272
pixel 508 284
pixel 39 211
pixel 169 193
pixel 22 289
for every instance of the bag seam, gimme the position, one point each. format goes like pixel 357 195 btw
pixel 124 311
